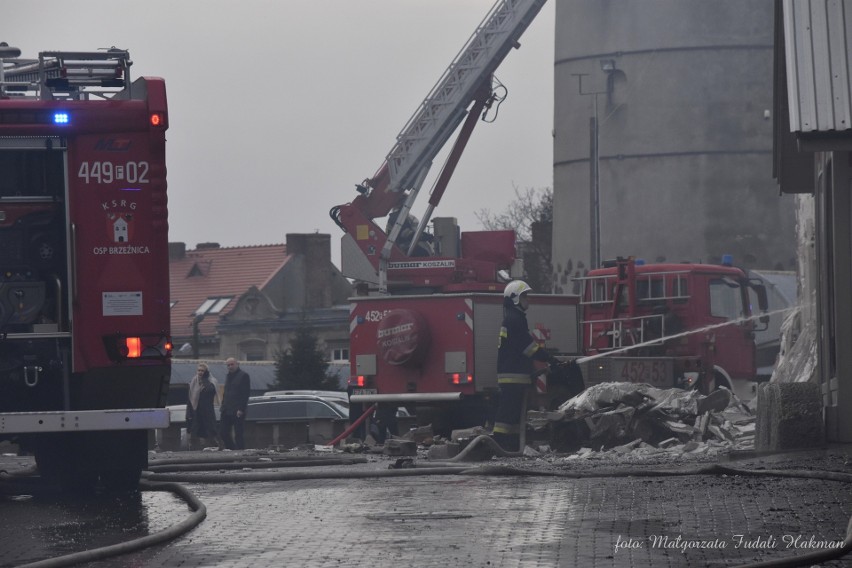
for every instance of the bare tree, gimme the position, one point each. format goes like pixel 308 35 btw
pixel 531 216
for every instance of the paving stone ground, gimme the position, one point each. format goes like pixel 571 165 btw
pixel 458 520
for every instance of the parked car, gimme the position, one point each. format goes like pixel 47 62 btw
pixel 340 397
pixel 287 407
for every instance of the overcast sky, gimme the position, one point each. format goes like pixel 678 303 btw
pixel 278 108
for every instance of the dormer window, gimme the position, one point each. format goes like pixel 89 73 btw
pixel 212 306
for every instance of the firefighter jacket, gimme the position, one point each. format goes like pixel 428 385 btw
pixel 517 348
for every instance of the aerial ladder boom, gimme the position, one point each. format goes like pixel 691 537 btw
pixel 467 82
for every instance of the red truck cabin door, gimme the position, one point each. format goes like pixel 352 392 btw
pixel 734 347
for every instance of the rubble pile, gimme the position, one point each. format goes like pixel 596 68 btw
pixel 623 418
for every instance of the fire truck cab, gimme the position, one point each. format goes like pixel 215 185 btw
pixel 667 324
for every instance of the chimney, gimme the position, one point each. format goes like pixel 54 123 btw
pixel 206 246
pixel 177 251
pixel 315 249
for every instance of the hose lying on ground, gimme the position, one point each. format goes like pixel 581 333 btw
pixel 218 465
pixel 198 515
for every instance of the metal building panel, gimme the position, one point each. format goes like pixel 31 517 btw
pixel 840 38
pixel 817 34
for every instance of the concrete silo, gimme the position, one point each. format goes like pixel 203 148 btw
pixel 681 91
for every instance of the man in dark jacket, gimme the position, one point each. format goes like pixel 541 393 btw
pixel 515 358
pixel 234 403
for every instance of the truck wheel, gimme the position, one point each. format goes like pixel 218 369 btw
pixel 717 382
pixel 58 461
pixel 720 381
pixel 123 480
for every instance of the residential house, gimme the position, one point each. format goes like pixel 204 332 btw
pixel 246 302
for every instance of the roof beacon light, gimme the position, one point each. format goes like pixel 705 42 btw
pixel 60 118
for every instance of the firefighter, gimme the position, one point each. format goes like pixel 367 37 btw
pixel 515 355
pixel 406 234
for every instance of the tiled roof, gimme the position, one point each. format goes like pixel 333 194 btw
pixel 218 272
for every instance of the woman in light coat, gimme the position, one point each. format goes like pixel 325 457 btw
pixel 200 412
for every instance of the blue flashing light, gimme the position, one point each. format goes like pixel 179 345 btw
pixel 61 118
pixel 727 260
pixel 640 262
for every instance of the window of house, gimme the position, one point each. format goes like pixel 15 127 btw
pixel 253 350
pixel 172 304
pixel 340 354
pixel 213 305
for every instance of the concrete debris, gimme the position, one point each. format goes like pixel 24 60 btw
pixel 701 426
pixel 438 452
pixel 629 447
pixel 420 435
pixel 530 452
pixel 613 423
pixel 400 447
pixel 353 447
pixel 468 433
pixel 628 418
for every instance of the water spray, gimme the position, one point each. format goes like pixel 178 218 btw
pixel 682 334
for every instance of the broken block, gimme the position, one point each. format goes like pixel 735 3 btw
pixel 789 416
pixel 399 447
pixel 439 452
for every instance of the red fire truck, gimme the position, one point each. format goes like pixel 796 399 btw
pixel 401 260
pixel 84 287
pixel 686 325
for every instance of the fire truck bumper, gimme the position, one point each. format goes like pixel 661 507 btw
pixel 83 420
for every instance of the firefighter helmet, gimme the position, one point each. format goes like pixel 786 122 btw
pixel 514 289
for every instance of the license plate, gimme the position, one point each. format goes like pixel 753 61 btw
pixel 654 372
pixel 364 391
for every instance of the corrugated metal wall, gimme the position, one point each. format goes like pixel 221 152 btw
pixel 819 81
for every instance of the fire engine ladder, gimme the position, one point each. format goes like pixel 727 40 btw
pixel 622 290
pixel 443 109
pixel 67 75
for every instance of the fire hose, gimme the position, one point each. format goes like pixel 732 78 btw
pixel 353 426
